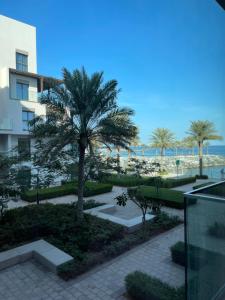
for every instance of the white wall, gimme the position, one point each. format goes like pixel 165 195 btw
pixel 16 36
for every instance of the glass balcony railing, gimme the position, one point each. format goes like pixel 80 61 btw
pixel 6 124
pixel 205 243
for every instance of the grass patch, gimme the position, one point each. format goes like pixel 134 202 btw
pixel 141 286
pixel 170 198
pixel 90 189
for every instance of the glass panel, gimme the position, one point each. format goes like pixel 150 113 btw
pixel 21 62
pixel 19 92
pixel 25 91
pixel 25 125
pixel 206 248
pixel 24 115
pixel 30 116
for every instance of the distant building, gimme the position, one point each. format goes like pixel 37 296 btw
pixel 19 84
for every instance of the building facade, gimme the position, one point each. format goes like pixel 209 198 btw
pixel 19 84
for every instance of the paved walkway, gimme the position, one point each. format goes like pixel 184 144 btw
pixel 30 281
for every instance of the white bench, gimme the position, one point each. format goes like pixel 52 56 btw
pixel 42 251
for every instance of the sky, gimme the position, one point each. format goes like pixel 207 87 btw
pixel 167 55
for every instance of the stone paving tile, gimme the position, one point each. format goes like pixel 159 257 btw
pixel 31 281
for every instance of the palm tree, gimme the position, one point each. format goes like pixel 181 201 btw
pixel 162 138
pixel 202 131
pixel 83 110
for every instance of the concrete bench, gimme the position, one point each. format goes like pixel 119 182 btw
pixel 42 251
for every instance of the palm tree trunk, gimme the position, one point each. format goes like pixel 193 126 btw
pixel 161 152
pixel 80 200
pixel 200 158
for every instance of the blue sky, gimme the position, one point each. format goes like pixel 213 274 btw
pixel 167 55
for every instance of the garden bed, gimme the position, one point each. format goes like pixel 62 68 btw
pixel 90 243
pixel 90 189
pixel 141 286
pixel 167 197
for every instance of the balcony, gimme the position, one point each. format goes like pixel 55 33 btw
pixel 6 124
pixel 205 243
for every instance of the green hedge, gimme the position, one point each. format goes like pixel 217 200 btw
pixel 196 255
pixel 168 197
pixel 201 176
pixel 128 180
pixel 198 186
pixel 141 286
pixel 90 189
pixel 173 182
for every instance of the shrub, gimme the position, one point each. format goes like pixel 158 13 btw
pixel 196 255
pixel 141 286
pixel 201 176
pixel 128 180
pixel 58 224
pixel 90 189
pixel 217 230
pixel 172 182
pixel 198 186
pixel 171 198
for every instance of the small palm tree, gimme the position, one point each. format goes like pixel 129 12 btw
pixel 189 142
pixel 83 110
pixel 162 138
pixel 202 131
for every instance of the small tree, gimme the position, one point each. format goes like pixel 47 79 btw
pixel 135 195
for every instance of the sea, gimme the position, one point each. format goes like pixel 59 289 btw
pixel 212 172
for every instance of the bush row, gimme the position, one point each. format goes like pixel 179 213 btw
pixel 198 186
pixel 167 197
pixel 128 180
pixel 131 180
pixel 173 182
pixel 141 286
pixel 197 255
pixel 90 189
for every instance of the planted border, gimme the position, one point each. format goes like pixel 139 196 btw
pixel 90 189
pixel 141 286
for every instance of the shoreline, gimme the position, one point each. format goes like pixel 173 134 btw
pixel 186 161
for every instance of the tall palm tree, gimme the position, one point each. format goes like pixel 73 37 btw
pixel 162 138
pixel 202 131
pixel 83 110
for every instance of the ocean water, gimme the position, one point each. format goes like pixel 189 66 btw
pixel 147 151
pixel 212 172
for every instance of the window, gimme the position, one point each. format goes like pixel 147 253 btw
pixel 27 116
pixel 22 91
pixel 24 148
pixel 21 62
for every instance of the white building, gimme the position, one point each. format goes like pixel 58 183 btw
pixel 19 83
